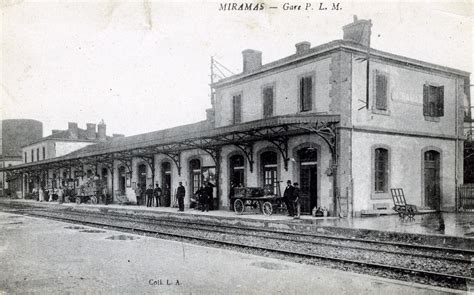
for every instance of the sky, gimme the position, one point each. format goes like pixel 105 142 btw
pixel 143 66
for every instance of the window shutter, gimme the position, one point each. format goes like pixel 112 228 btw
pixel 302 94
pixel 268 102
pixel 425 100
pixel 381 92
pixel 440 102
pixel 237 109
pixel 309 94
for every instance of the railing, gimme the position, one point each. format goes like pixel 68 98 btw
pixel 466 197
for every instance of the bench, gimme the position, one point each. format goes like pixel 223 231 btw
pixel 403 209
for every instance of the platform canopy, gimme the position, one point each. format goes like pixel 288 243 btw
pixel 201 135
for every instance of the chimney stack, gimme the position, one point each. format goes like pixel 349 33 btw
pixel 90 132
pixel 302 47
pixel 101 128
pixel 358 31
pixel 73 130
pixel 252 60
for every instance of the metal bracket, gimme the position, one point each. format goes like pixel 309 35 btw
pixel 176 157
pixel 150 160
pixel 125 162
pixel 215 154
pixel 282 144
pixel 326 131
pixel 247 148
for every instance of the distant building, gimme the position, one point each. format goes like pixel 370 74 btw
pixel 62 142
pixel 14 134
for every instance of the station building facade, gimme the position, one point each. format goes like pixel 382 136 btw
pixel 345 121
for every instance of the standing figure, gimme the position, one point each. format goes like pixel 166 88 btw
pixel 209 192
pixel 105 194
pixel 287 198
pixel 138 194
pixel 296 200
pixel 233 185
pixel 46 195
pixel 180 193
pixel 203 198
pixel 41 194
pixel 157 193
pixel 60 195
pixel 149 196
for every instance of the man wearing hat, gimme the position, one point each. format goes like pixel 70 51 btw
pixel 288 198
pixel 180 193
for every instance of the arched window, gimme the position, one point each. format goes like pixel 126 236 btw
pixel 237 170
pixel 381 166
pixel 269 165
pixel 122 178
pixel 104 175
pixel 195 174
pixel 166 183
pixel 142 176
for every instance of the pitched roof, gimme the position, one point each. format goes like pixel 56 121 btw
pixel 331 46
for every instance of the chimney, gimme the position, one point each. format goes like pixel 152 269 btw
pixel 90 132
pixel 73 130
pixel 101 128
pixel 55 131
pixel 302 47
pixel 358 31
pixel 252 59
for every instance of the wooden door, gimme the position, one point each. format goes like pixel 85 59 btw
pixel 432 180
pixel 308 167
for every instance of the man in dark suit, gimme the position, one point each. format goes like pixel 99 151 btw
pixel 288 198
pixel 180 193
pixel 296 201
pixel 157 194
pixel 149 196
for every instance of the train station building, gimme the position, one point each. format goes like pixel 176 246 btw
pixel 345 121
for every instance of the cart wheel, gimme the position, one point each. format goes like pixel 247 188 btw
pixel 411 213
pixel 267 208
pixel 239 206
pixel 78 200
pixel 94 200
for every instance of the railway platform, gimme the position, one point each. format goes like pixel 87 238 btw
pixel 444 229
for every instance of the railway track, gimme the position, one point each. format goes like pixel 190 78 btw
pixel 447 267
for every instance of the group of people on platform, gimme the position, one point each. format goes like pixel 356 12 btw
pixel 159 197
pixel 49 195
pixel 203 197
pixel 291 197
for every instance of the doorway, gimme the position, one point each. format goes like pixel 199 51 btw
pixel 121 180
pixel 195 175
pixel 166 183
pixel 308 166
pixel 237 170
pixel 269 168
pixel 141 182
pixel 432 180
